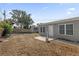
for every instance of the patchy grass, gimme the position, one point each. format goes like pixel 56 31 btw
pixel 25 44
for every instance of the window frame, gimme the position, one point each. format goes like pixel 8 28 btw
pixel 43 29
pixel 73 29
pixel 59 29
pixel 65 29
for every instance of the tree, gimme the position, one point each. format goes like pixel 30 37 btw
pixel 22 17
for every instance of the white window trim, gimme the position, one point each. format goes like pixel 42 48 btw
pixel 58 29
pixel 65 29
pixel 41 29
pixel 73 29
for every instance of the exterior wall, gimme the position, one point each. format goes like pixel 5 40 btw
pixel 50 30
pixel 74 37
pixel 34 28
pixel 42 33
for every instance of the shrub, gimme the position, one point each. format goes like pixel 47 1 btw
pixel 7 28
pixel 1 26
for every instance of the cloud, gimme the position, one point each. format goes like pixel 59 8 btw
pixel 71 11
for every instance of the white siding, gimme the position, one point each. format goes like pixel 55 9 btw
pixel 50 29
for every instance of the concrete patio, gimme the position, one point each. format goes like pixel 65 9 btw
pixel 42 38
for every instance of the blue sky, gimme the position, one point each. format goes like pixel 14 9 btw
pixel 43 12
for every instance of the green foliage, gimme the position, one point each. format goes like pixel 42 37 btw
pixel 1 25
pixel 22 17
pixel 6 25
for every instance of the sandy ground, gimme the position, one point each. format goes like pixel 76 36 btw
pixel 26 45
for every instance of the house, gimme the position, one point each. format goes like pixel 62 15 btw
pixel 67 29
pixel 16 25
pixel 34 28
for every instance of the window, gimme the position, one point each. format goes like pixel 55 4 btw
pixel 66 29
pixel 69 29
pixel 44 29
pixel 61 29
pixel 41 29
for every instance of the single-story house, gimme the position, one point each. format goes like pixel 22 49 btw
pixel 34 28
pixel 67 28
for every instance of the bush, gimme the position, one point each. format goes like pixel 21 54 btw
pixel 7 29
pixel 1 26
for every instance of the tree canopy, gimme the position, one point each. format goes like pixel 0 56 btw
pixel 22 17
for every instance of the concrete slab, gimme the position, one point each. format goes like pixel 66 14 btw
pixel 43 38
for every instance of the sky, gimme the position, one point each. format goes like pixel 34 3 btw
pixel 43 12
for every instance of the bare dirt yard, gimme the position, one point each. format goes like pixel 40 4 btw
pixel 26 45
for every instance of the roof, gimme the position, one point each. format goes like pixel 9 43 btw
pixel 62 21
